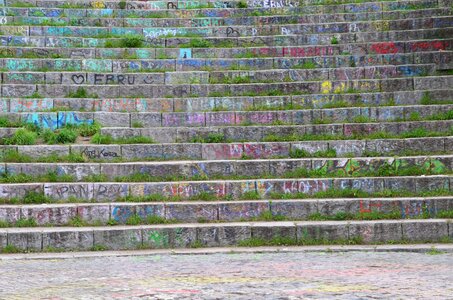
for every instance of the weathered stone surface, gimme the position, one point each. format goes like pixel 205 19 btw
pixel 223 234
pixel 118 238
pixel 68 239
pixel 426 231
pixel 25 239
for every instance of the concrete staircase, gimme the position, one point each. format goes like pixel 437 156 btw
pixel 169 124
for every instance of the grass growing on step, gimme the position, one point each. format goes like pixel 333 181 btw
pixel 307 65
pixel 81 93
pixel 22 136
pixel 108 139
pixel 137 124
pixel 434 251
pixel 288 241
pixel 210 138
pixel 343 216
pixel 23 178
pixel 22 222
pixel 414 133
pixel 20 4
pixel 242 4
pixel 9 249
pixel 39 198
pixel 301 153
pixel 61 136
pixel 197 43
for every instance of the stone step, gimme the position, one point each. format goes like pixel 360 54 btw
pixel 226 31
pixel 56 120
pixel 229 234
pixel 224 211
pixel 258 103
pixel 225 58
pixel 243 41
pixel 283 58
pixel 151 90
pixel 277 133
pixel 196 21
pixel 251 133
pixel 148 9
pixel 224 151
pixel 233 169
pixel 156 3
pixel 221 189
pixel 218 77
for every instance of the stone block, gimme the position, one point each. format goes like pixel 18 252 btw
pixel 222 151
pixel 332 207
pixel 173 236
pixel 78 171
pixel 122 212
pixel 3 239
pixel 161 135
pixel 294 209
pixel 309 146
pixel 10 214
pixel 219 235
pixel 118 238
pixel 9 191
pixel 237 211
pixel 49 215
pixel 109 191
pixel 432 183
pixel 94 213
pixel 141 151
pixel 68 239
pixel 182 151
pixel 375 232
pixel 425 231
pixel 276 231
pixel 104 152
pixel 64 191
pixel 321 232
pixel 167 189
pixel 191 212
pixel 146 211
pixel 280 167
pixel 112 119
pixel 25 239
pixel 43 150
pixel 146 119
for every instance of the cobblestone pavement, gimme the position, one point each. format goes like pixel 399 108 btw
pixel 348 275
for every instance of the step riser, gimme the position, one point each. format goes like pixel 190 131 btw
pixel 215 169
pixel 169 78
pixel 235 189
pixel 241 30
pixel 120 213
pixel 223 235
pixel 270 41
pixel 225 90
pixel 254 133
pixel 144 9
pixel 200 119
pixel 237 21
pixel 224 104
pixel 236 151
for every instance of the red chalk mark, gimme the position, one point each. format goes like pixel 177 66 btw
pixel 385 48
pixel 370 206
